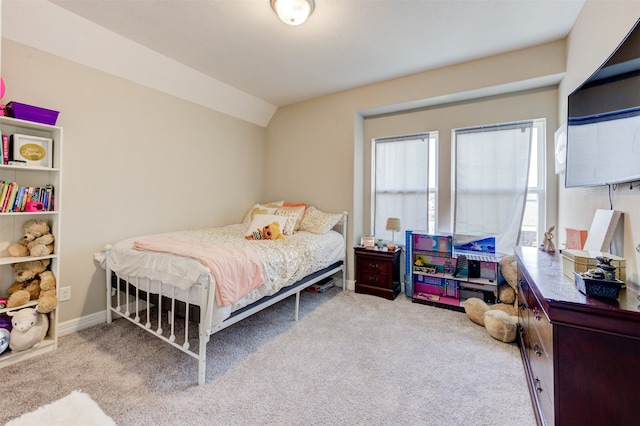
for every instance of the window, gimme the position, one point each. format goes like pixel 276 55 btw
pixel 533 221
pixel 404 183
pixel 491 166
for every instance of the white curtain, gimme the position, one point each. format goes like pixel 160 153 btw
pixel 491 178
pixel 401 183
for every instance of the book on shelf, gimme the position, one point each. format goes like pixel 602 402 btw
pixel 5 148
pixel 14 198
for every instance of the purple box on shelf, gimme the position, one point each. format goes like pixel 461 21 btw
pixel 31 113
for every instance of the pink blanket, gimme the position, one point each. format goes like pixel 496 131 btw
pixel 236 271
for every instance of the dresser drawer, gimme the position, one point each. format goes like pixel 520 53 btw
pixel 539 321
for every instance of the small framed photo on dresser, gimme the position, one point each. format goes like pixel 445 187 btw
pixel 33 151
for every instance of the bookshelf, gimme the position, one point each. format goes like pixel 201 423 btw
pixel 12 220
pixel 437 275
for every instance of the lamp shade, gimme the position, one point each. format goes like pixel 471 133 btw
pixel 393 224
pixel 293 12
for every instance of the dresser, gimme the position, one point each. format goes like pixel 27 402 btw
pixel 581 354
pixel 378 271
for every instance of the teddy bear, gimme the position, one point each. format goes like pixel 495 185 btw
pixel 269 232
pixel 28 329
pixel 501 319
pixel 47 300
pixel 28 280
pixel 509 271
pixel 37 240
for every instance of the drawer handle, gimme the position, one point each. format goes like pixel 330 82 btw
pixel 373 278
pixel 537 349
pixel 538 387
pixel 373 265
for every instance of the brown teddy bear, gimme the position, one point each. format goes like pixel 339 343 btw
pixel 37 240
pixel 501 319
pixel 47 300
pixel 509 270
pixel 29 277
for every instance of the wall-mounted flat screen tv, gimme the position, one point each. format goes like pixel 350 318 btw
pixel 603 121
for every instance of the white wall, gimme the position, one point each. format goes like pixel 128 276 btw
pixel 600 27
pixel 135 161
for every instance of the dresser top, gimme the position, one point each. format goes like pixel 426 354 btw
pixel 545 270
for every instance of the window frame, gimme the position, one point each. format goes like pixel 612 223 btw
pixel 432 177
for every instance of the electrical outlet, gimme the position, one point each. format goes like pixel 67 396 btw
pixel 65 293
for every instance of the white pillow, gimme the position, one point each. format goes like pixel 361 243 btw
pixel 259 221
pixel 292 214
pixel 268 208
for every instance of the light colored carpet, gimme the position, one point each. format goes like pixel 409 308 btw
pixel 75 409
pixel 352 359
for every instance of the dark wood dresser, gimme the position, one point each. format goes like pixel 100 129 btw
pixel 581 354
pixel 378 271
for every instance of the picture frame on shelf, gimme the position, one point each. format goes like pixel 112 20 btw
pixel 33 151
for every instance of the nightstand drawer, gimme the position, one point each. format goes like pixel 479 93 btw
pixel 378 280
pixel 374 266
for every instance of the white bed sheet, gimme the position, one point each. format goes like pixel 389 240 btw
pixel 284 263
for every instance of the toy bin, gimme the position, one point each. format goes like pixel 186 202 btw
pixel 31 113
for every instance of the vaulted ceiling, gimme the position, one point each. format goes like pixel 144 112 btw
pixel 343 44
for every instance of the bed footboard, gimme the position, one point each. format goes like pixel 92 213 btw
pixel 154 306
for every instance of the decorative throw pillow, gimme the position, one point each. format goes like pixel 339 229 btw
pixel 293 214
pixel 259 221
pixel 318 222
pixel 269 208
pixel 299 209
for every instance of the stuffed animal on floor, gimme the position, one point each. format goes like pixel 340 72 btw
pixel 509 270
pixel 28 329
pixel 500 320
pixel 37 240
pixel 27 285
pixel 269 232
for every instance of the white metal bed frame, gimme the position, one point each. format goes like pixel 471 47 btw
pixel 131 302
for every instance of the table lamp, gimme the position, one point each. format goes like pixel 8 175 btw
pixel 393 225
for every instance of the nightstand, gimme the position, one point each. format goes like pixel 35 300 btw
pixel 378 271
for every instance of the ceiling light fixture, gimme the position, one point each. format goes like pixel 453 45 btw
pixel 293 12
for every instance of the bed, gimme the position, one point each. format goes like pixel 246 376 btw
pixel 209 279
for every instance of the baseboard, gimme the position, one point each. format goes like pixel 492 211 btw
pixel 81 323
pixel 351 285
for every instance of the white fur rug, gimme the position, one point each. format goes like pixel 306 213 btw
pixel 77 408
